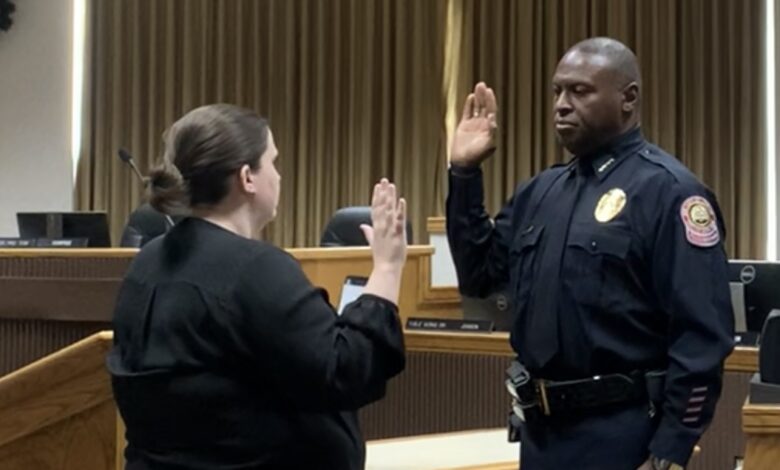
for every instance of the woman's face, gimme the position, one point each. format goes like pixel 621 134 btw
pixel 268 183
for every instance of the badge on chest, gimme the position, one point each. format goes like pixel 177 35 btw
pixel 610 205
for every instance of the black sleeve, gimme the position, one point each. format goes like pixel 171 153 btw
pixel 690 276
pixel 479 245
pixel 316 358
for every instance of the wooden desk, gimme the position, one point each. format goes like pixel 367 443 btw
pixel 761 424
pixel 445 388
pixel 328 267
pixel 59 413
pixel 50 298
pixel 455 382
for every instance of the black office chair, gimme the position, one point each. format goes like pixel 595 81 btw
pixel 343 229
pixel 143 225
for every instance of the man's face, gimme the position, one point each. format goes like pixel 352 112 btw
pixel 588 102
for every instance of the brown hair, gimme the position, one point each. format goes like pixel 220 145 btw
pixel 202 149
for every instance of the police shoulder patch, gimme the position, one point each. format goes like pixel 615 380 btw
pixel 701 225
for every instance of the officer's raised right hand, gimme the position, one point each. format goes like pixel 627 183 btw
pixel 474 138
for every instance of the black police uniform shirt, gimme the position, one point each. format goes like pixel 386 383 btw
pixel 226 357
pixel 643 282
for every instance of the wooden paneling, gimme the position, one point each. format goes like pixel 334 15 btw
pixel 328 267
pixel 58 413
pixel 80 442
pixel 24 341
pixel 496 343
pixel 724 441
pixel 761 419
pixel 440 393
pixel 742 359
pixel 437 297
pixel 52 298
pixel 436 225
pixel 761 424
pixel 454 382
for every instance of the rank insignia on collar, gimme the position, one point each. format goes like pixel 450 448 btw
pixel 701 225
pixel 610 205
pixel 606 165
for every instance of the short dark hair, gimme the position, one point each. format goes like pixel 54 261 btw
pixel 621 58
pixel 202 149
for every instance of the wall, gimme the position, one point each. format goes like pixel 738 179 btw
pixel 35 106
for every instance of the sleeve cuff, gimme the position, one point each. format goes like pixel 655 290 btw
pixel 380 300
pixel 674 442
pixel 465 171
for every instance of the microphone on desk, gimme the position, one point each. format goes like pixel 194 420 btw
pixel 125 156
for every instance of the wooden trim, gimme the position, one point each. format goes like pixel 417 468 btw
pixel 350 252
pixel 68 252
pixel 435 296
pixel 93 346
pixel 742 359
pixel 121 442
pixel 412 438
pixel 55 388
pixel 496 344
pixel 299 253
pixel 760 419
pixel 436 225
pixel 59 299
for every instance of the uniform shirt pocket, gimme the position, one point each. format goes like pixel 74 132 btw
pixel 593 263
pixel 522 254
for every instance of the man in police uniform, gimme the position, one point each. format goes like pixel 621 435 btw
pixel 617 270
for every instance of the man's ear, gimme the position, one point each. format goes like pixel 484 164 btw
pixel 246 180
pixel 630 97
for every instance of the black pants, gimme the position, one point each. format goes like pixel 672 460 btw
pixel 613 440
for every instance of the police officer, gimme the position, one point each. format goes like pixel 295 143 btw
pixel 618 273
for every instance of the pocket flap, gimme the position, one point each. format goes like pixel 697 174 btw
pixel 527 238
pixel 609 242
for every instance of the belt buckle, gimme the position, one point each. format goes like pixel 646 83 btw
pixel 541 389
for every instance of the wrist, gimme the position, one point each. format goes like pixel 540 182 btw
pixel 657 463
pixel 388 267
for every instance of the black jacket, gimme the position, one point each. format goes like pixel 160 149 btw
pixel 226 357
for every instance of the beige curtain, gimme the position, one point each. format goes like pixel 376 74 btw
pixel 358 89
pixel 352 89
pixel 703 98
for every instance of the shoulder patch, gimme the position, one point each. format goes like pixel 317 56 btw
pixel 701 224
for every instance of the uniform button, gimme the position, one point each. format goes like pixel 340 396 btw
pixel 593 245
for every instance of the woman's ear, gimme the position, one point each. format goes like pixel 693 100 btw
pixel 247 180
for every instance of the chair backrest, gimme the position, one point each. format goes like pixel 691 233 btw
pixel 343 229
pixel 144 224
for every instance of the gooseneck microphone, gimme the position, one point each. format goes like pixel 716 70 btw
pixel 125 156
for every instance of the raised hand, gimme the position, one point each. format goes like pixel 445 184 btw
pixel 387 235
pixel 474 138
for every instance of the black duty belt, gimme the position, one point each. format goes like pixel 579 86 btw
pixel 537 398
